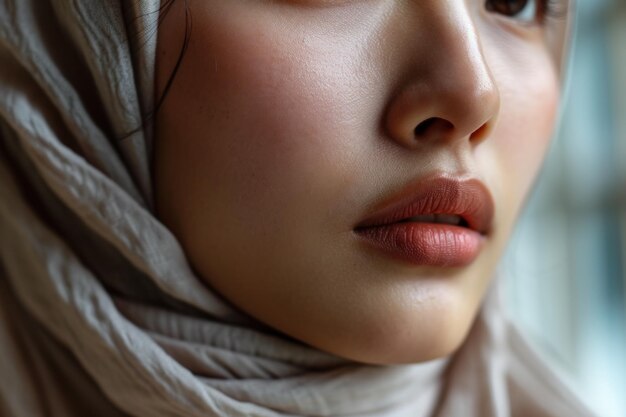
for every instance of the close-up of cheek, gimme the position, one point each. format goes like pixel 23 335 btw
pixel 280 110
pixel 522 138
pixel 272 128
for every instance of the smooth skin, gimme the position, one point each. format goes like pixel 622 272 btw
pixel 289 120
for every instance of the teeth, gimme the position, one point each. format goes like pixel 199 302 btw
pixel 437 218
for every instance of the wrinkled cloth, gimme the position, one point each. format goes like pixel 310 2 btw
pixel 100 313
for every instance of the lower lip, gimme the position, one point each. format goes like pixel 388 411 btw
pixel 426 244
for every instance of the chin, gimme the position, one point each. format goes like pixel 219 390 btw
pixel 401 350
pixel 402 341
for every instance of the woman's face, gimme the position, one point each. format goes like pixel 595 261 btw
pixel 301 138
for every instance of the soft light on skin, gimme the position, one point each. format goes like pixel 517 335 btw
pixel 289 120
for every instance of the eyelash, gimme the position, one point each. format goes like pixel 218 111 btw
pixel 545 9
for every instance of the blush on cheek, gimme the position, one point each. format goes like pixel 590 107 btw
pixel 526 125
pixel 287 110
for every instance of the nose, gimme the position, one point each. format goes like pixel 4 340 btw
pixel 449 93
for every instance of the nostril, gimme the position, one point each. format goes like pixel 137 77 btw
pixel 433 126
pixel 481 133
pixel 421 128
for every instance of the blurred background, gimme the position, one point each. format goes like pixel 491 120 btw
pixel 566 266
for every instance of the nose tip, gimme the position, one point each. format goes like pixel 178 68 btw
pixel 451 95
pixel 436 113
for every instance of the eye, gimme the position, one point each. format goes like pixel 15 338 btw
pixel 525 11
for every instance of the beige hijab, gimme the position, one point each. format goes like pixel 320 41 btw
pixel 100 313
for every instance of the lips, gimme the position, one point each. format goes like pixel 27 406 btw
pixel 441 221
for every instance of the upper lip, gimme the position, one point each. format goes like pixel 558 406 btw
pixel 467 198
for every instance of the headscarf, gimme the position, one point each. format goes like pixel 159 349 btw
pixel 100 312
